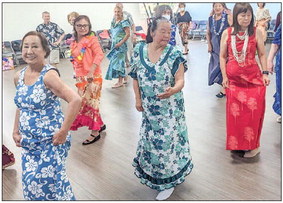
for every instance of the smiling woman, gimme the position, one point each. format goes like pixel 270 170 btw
pixel 38 107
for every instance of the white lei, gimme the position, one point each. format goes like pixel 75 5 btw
pixel 240 56
pixel 221 25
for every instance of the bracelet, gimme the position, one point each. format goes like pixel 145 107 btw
pixel 266 72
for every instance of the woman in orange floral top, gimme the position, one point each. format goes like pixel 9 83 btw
pixel 86 56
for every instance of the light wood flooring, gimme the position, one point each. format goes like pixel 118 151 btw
pixel 103 171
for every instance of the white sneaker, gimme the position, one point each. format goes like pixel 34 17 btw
pixel 163 195
pixel 279 119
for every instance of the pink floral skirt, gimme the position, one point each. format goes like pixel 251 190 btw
pixel 89 113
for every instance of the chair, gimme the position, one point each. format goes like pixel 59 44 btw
pixel 203 29
pixel 104 39
pixel 16 45
pixel 8 56
pixel 193 29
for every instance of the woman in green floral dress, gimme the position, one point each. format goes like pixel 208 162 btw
pixel 163 154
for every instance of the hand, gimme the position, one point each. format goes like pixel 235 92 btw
pixel 266 80
pixel 270 66
pixel 56 43
pixel 59 137
pixel 89 77
pixel 17 138
pixel 225 82
pixel 118 45
pixel 168 92
pixel 139 105
pixel 209 48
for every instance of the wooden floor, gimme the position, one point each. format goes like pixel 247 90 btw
pixel 103 171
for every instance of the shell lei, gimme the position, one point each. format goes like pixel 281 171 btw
pixel 221 25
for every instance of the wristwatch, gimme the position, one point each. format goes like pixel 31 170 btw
pixel 266 72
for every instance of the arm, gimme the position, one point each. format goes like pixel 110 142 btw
pixel 98 57
pixel 223 58
pixel 127 30
pixel 16 133
pixel 55 84
pixel 261 55
pixel 179 84
pixel 137 95
pixel 272 52
pixel 208 35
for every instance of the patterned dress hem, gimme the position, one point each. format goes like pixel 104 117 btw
pixel 83 120
pixel 162 184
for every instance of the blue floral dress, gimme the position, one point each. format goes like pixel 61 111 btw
pixel 117 56
pixel 43 164
pixel 163 154
pixel 278 66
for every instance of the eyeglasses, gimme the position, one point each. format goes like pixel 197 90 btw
pixel 82 26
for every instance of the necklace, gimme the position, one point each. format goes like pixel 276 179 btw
pixel 240 56
pixel 77 61
pixel 221 25
pixel 242 37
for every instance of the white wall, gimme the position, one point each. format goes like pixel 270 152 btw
pixel 19 18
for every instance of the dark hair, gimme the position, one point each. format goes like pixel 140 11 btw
pixel 153 27
pixel 278 21
pixel 223 4
pixel 262 5
pixel 242 8
pixel 160 9
pixel 80 17
pixel 182 4
pixel 43 41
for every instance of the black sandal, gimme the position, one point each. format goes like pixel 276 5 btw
pixel 102 128
pixel 86 142
pixel 220 95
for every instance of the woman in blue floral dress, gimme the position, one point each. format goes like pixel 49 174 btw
pixel 163 153
pixel 40 127
pixel 275 50
pixel 120 32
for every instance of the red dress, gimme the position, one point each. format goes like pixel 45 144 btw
pixel 245 105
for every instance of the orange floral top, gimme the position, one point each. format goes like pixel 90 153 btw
pixel 86 53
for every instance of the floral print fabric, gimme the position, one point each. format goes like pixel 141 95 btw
pixel 245 104
pixel 117 56
pixel 43 164
pixel 163 153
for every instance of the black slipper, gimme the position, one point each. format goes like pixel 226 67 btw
pixel 86 142
pixel 102 128
pixel 220 95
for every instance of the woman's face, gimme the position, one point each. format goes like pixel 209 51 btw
pixel 162 34
pixel 218 8
pixel 82 27
pixel 72 19
pixel 118 14
pixel 166 12
pixel 181 7
pixel 32 51
pixel 244 19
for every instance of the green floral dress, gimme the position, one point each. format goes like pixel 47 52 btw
pixel 163 153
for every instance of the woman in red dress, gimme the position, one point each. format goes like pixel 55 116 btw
pixel 244 81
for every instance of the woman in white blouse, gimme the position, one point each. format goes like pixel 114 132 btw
pixel 262 19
